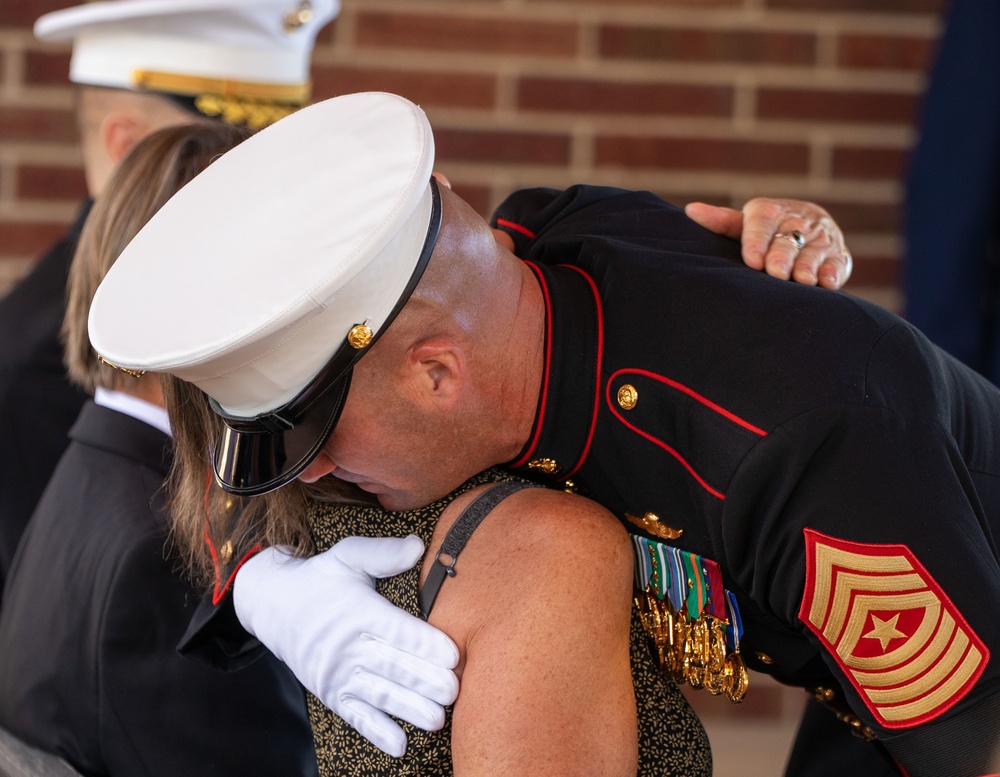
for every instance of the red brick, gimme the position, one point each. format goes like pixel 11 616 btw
pixel 701 45
pixel 452 90
pixel 872 271
pixel 327 35
pixel 480 198
pixel 701 154
pixel 51 183
pixel 523 148
pixel 641 99
pixel 864 6
pixel 19 239
pixel 869 163
pixel 885 52
pixel 37 124
pixel 478 35
pixel 863 217
pixel 22 13
pixel 46 68
pixel 836 106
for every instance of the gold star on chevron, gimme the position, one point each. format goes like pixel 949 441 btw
pixel 884 631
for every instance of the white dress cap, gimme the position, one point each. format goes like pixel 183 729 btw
pixel 252 276
pixel 254 49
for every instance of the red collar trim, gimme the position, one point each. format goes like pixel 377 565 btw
pixel 547 371
pixel 599 358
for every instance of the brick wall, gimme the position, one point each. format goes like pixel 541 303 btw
pixel 708 99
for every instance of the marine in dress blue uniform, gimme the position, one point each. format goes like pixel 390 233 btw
pixel 838 471
pixel 842 471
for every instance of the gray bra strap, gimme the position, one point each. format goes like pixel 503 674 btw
pixel 459 534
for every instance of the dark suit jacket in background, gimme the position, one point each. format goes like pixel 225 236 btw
pixel 90 620
pixel 952 265
pixel 37 402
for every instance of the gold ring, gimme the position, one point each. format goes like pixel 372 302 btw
pixel 794 237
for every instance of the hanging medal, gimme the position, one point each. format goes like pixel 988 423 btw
pixel 693 621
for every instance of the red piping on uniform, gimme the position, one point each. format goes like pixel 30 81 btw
pixel 667 448
pixel 548 365
pixel 219 591
pixel 516 227
pixel 697 397
pixel 600 359
pixel 694 395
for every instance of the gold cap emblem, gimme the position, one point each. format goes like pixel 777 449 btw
pixel 298 16
pixel 628 397
pixel 360 336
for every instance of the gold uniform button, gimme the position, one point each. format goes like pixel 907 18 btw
pixel 824 694
pixel 226 554
pixel 764 658
pixel 628 397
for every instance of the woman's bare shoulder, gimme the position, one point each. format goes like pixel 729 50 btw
pixel 537 548
pixel 538 523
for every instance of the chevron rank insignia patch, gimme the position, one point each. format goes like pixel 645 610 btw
pixel 898 638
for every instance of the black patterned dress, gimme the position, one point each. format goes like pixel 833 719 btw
pixel 671 738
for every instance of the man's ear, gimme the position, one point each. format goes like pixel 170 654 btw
pixel 120 130
pixel 436 367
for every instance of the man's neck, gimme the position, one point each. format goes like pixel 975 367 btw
pixel 526 356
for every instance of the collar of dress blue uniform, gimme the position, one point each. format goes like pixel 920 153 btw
pixel 571 381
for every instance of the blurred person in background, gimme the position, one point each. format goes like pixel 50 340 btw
pixel 951 269
pixel 95 602
pixel 138 65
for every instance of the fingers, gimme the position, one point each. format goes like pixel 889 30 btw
pixel 442 179
pixel 409 650
pixel 375 726
pixel 377 556
pixel 724 221
pixel 431 678
pixel 368 699
pixel 385 696
pixel 836 269
pixel 768 225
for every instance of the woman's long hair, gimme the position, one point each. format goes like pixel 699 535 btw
pixel 203 517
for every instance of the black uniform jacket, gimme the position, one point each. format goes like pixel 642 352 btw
pixel 91 616
pixel 842 471
pixel 37 402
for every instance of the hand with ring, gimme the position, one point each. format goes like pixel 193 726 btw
pixel 788 238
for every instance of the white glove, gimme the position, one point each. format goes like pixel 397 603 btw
pixel 360 655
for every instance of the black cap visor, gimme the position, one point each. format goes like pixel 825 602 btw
pixel 262 453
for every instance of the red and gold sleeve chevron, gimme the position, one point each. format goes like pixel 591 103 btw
pixel 896 635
